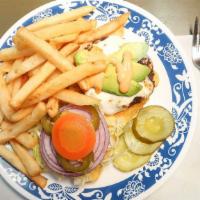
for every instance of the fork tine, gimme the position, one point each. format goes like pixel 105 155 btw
pixel 196 30
pixel 199 40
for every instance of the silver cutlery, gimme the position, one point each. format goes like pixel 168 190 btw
pixel 196 44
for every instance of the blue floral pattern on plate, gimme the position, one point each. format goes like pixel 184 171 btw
pixel 165 157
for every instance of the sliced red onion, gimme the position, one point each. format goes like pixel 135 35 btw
pixel 49 157
pixel 102 142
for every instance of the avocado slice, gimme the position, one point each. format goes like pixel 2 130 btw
pixel 85 55
pixel 138 50
pixel 81 57
pixel 140 72
pixel 111 85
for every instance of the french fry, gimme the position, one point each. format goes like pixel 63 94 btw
pixel 20 114
pixel 52 107
pixel 68 49
pixel 75 88
pixel 70 96
pixel 64 80
pixel 25 124
pixel 83 38
pixel 5 67
pixel 30 164
pixel 35 61
pixel 17 63
pixel 24 138
pixel 52 76
pixel 95 81
pixel 119 32
pixel 32 84
pixel 27 140
pixel 44 49
pixel 1 117
pixel 57 46
pixel 62 18
pixel 71 58
pixel 6 109
pixel 34 71
pixel 27 65
pixel 13 159
pixel 19 44
pixel 105 30
pixel 94 24
pixel 80 19
pixel 16 86
pixel 10 88
pixel 13 53
pixel 63 29
pixel 65 38
pixel 6 126
pixel 41 181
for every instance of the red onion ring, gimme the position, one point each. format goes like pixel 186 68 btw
pixel 102 141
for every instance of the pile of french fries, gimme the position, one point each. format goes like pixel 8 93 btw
pixel 39 72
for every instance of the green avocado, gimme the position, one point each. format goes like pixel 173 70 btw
pixel 111 85
pixel 138 50
pixel 140 72
pixel 81 57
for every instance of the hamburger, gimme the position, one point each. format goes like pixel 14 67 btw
pixel 119 107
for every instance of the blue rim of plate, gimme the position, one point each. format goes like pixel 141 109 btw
pixel 164 161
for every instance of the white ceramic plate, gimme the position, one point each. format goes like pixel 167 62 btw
pixel 175 92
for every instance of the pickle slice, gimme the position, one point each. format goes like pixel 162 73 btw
pixel 95 120
pixel 47 125
pixel 120 147
pixel 154 123
pixel 144 140
pixel 70 167
pixel 126 161
pixel 135 145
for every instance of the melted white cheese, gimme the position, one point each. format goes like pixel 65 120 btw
pixel 111 104
pixel 110 44
pixel 113 43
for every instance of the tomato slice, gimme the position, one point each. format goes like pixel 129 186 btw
pixel 73 136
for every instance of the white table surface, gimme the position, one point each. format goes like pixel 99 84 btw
pixel 184 184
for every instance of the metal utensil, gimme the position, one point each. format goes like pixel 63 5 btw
pixel 196 44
